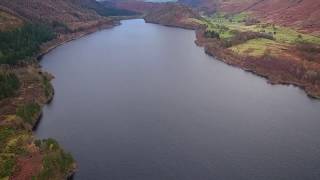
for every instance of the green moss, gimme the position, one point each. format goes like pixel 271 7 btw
pixel 47 86
pixel 56 163
pixel 28 111
pixel 7 160
pixel 5 133
pixel 7 166
pixel 12 141
pixel 16 144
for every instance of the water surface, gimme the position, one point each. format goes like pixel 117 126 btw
pixel 143 102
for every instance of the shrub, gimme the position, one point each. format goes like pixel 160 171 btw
pixel 241 37
pixel 55 162
pixel 60 27
pixel 5 133
pixel 28 111
pixel 212 34
pixel 7 164
pixel 251 21
pixel 47 145
pixel 47 86
pixel 16 147
pixel 309 51
pixel 222 28
pixel 9 83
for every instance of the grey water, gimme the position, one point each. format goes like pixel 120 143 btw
pixel 142 102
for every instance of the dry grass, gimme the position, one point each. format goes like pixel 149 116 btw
pixel 9 22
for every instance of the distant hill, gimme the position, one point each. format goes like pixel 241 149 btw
pixel 302 14
pixel 104 8
pixel 173 14
pixel 136 5
pixel 61 14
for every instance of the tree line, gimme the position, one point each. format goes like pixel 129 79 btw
pixel 20 44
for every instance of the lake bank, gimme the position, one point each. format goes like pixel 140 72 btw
pixel 173 113
pixel 250 48
pixel 21 114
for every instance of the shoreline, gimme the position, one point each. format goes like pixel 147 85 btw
pixel 55 43
pixel 50 46
pixel 211 48
pixel 37 91
pixel 221 55
pixel 273 78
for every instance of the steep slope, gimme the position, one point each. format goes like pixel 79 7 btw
pixel 169 14
pixel 62 13
pixel 9 21
pixel 207 6
pixel 104 8
pixel 172 14
pixel 301 14
pixel 137 6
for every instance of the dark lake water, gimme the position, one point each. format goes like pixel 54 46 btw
pixel 143 102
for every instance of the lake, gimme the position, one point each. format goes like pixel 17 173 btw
pixel 142 102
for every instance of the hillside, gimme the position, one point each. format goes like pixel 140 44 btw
pixel 255 35
pixel 168 14
pixel 61 14
pixel 281 54
pixel 104 8
pixel 137 6
pixel 29 29
pixel 300 14
pixel 172 14
pixel 9 21
pixel 207 6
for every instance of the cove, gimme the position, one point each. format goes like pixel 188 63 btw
pixel 143 102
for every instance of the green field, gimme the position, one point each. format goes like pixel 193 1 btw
pixel 257 47
pixel 228 25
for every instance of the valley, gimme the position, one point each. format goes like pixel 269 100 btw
pixel 275 39
pixel 281 54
